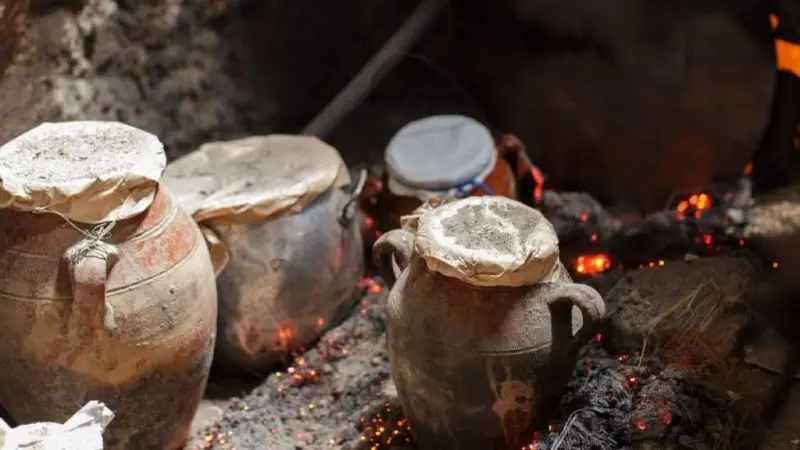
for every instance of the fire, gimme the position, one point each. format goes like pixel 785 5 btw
pixel 695 205
pixel 788 53
pixel 592 264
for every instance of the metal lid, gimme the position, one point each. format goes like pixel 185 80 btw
pixel 440 153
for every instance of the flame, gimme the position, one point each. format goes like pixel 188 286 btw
pixel 592 264
pixel 788 53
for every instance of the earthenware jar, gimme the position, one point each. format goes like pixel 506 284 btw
pixel 484 323
pixel 106 286
pixel 283 209
pixel 442 156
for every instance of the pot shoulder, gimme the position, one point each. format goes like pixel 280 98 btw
pixel 434 310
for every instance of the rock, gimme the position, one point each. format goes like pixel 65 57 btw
pixel 566 101
pixel 775 216
pixel 199 70
pixel 773 232
pixel 785 433
pixel 693 310
pixel 749 392
pixel 769 351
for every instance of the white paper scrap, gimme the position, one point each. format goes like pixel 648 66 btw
pixel 83 431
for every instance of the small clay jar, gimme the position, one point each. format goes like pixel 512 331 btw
pixel 484 323
pixel 106 285
pixel 443 156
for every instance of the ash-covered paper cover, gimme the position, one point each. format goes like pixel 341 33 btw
pixel 488 241
pixel 254 178
pixel 88 171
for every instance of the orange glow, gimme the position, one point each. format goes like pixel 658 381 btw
pixel 695 205
pixel 538 178
pixel 372 286
pixel 748 169
pixel 592 264
pixel 640 425
pixel 788 53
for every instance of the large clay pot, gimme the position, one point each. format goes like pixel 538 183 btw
pixel 126 317
pixel 483 331
pixel 146 354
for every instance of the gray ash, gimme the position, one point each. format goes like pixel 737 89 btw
pixel 614 403
pixel 339 396
pixel 631 239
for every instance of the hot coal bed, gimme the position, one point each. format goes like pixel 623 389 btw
pixel 674 366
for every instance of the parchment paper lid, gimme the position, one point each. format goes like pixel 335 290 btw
pixel 255 178
pixel 488 241
pixel 89 171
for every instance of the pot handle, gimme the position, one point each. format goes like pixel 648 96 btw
pixel 89 262
pixel 566 295
pixel 216 249
pixel 348 212
pixel 396 245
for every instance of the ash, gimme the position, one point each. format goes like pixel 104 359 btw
pixel 622 403
pixel 632 239
pixel 339 395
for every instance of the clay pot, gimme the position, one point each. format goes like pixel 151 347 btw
pixel 135 332
pixel 484 323
pixel 121 311
pixel 282 210
pixel 286 282
pixel 511 167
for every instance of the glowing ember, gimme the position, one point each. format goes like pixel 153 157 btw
pixel 666 417
pixel 382 430
pixel 640 425
pixel 694 206
pixel 592 264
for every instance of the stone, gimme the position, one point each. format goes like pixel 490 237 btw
pixel 769 351
pixel 785 432
pixel 692 309
pixel 773 233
